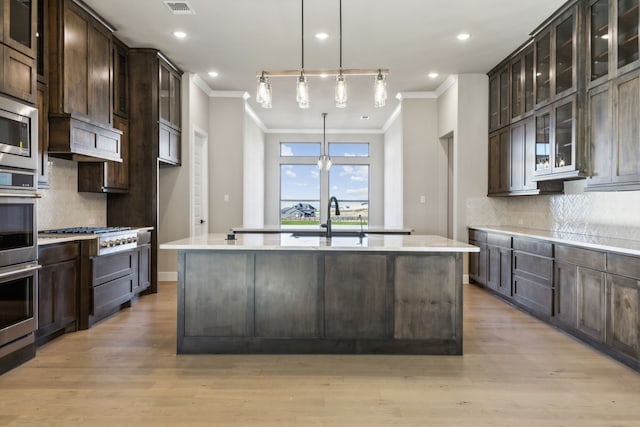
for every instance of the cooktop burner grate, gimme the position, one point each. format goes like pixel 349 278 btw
pixel 85 230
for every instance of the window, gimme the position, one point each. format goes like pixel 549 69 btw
pixel 304 188
pixel 350 185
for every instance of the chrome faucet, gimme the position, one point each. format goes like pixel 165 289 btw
pixel 328 225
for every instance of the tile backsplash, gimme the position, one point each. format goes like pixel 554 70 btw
pixel 609 214
pixel 62 206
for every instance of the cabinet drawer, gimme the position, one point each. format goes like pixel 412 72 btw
pixel 578 256
pixel 53 254
pixel 533 295
pixel 623 265
pixel 112 294
pixel 480 236
pixel 531 265
pixel 502 240
pixel 113 266
pixel 537 247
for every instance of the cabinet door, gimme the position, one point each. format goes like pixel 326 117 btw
pixel 120 80
pixel 505 117
pixel 517 157
pixel 528 80
pixel 494 103
pixel 600 136
pixel 543 142
pixel 623 315
pixel 504 285
pixel 543 67
pixel 563 149
pixel 19 25
pixel 362 307
pixel 626 40
pixel 19 75
pixel 175 101
pixel 100 75
pixel 144 268
pixel 599 41
pixel 591 303
pixel 499 162
pixel 493 270
pixel 43 136
pixel 165 93
pixel 56 297
pixel 566 293
pixel 117 173
pixel 517 101
pixel 626 148
pixel 564 74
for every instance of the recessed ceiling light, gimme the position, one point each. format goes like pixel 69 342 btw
pixel 213 74
pixel 364 117
pixel 322 36
pixel 433 75
pixel 463 36
pixel 179 34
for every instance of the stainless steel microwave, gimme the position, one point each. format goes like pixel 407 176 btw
pixel 18 135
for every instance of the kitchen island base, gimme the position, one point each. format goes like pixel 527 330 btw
pixel 322 302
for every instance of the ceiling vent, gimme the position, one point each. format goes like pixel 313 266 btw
pixel 180 7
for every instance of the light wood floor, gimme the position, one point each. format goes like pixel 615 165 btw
pixel 124 372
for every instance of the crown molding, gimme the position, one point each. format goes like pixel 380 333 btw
pixel 251 113
pixel 450 81
pixel 392 118
pixel 199 81
pixel 229 94
pixel 416 95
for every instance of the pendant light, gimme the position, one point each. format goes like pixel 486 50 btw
pixel 263 92
pixel 380 91
pixel 302 88
pixel 341 83
pixel 324 161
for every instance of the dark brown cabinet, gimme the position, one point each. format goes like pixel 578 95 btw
pixel 108 177
pixel 478 260
pixel 170 111
pixel 18 24
pixel 499 162
pixel 592 294
pixel 614 136
pixel 499 263
pixel 579 284
pixel 120 79
pixel 43 136
pixel 499 82
pixel 532 275
pixel 144 269
pixel 57 290
pixel 80 84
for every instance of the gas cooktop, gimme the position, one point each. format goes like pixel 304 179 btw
pixel 85 230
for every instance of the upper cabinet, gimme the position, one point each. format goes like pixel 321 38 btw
pixel 18 22
pixel 80 84
pixel 155 104
pixel 499 98
pixel 18 26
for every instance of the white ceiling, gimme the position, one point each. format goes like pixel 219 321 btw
pixel 409 37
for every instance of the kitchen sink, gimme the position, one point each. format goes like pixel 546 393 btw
pixel 322 233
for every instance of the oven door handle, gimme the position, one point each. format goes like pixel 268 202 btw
pixel 22 195
pixel 20 271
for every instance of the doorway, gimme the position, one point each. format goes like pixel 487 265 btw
pixel 199 184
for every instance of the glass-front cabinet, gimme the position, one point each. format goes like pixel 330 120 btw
pixel 555 144
pixel 499 98
pixel 564 55
pixel 18 25
pixel 543 68
pixel 613 45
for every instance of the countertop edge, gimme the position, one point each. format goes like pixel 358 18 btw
pixel 609 244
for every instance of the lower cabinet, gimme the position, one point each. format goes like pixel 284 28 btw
pixel 579 282
pixel 532 279
pixel 57 290
pixel 114 277
pixel 591 294
pixel 478 260
pixel 144 269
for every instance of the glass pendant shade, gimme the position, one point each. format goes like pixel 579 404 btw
pixel 328 163
pixel 341 91
pixel 302 92
pixel 266 101
pixel 261 90
pixel 380 91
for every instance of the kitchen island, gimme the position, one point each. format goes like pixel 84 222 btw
pixel 282 293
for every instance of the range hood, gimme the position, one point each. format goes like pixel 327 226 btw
pixel 79 139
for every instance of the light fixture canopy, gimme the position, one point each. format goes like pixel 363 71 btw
pixel 263 91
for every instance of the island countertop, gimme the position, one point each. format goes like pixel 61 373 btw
pixel 289 242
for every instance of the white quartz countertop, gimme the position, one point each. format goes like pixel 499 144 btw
pixel 294 229
pixel 284 241
pixel 624 246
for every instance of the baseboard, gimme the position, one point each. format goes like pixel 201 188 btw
pixel 167 276
pixel 465 278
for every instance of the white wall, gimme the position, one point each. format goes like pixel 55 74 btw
pixel 376 170
pixel 393 172
pixel 254 172
pixel 174 206
pixel 226 162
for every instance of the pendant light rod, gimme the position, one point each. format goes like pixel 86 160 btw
pixel 326 73
pixel 302 32
pixel 341 35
